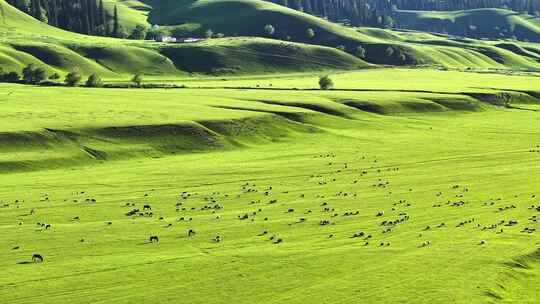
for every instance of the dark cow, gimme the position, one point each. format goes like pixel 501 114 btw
pixel 37 258
pixel 154 239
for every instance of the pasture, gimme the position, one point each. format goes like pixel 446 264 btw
pixel 399 186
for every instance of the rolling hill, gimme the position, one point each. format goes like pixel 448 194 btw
pixel 480 23
pixel 235 18
pixel 24 40
pixel 248 17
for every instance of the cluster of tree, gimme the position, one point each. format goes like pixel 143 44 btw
pixel 352 12
pixel 33 74
pixel 530 6
pixel 90 16
pixel 82 16
pixel 378 13
pixel 30 74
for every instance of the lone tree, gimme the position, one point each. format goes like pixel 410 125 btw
pixel 137 80
pixel 94 81
pixel 73 79
pixel 310 33
pixel 325 82
pixel 269 29
pixel 33 75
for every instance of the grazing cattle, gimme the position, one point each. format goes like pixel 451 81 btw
pixel 425 243
pixel 154 239
pixel 48 226
pixel 191 233
pixel 147 207
pixel 37 258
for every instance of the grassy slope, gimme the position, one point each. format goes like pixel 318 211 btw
pixel 312 147
pixel 249 17
pixel 238 17
pixel 25 40
pixel 489 23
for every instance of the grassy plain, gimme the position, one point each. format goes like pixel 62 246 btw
pixel 426 148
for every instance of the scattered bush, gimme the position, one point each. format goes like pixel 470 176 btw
pixel 360 52
pixel 54 76
pixel 269 29
pixel 33 75
pixel 9 77
pixel 94 81
pixel 137 80
pixel 73 79
pixel 389 51
pixel 402 57
pixel 310 33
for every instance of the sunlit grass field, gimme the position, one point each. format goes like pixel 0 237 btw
pixel 398 186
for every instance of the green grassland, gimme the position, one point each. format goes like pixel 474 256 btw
pixel 484 23
pixel 449 157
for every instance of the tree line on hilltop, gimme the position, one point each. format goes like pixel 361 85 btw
pixel 378 13
pixel 91 17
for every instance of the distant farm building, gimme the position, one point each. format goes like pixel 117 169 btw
pixel 169 39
